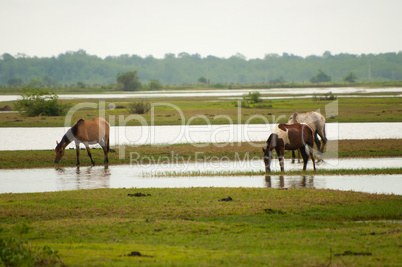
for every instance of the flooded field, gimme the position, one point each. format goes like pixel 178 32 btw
pixel 151 175
pixel 142 176
pixel 36 138
pixel 222 93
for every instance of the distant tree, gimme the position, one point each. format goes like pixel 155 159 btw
pixel 242 78
pixel 278 80
pixel 154 85
pixel 80 85
pixel 326 54
pixel 15 81
pixel 184 68
pixel 202 80
pixel 241 56
pixel 128 81
pixel 321 77
pixel 7 57
pixel 170 56
pixel 35 82
pixel 351 78
pixel 49 81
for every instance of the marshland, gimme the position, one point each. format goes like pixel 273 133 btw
pixel 168 203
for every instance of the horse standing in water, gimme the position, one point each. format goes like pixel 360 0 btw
pixel 289 137
pixel 86 132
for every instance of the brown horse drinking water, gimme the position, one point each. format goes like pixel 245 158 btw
pixel 87 132
pixel 289 137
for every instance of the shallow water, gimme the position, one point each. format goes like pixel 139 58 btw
pixel 221 93
pixel 143 176
pixel 36 138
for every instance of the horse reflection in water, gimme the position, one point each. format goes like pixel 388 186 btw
pixel 291 182
pixel 83 178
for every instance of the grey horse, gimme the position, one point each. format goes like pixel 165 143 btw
pixel 316 121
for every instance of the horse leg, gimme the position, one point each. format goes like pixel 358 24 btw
pixel 323 139
pixel 89 153
pixel 312 155
pixel 305 157
pixel 105 150
pixel 317 142
pixel 293 156
pixel 281 154
pixel 324 142
pixel 77 148
pixel 268 167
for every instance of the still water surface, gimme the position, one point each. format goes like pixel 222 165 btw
pixel 221 93
pixel 36 138
pixel 143 176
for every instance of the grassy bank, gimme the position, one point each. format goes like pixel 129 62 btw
pixel 194 227
pixel 295 173
pixel 188 152
pixel 214 110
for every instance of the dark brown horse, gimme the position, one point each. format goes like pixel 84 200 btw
pixel 86 132
pixel 289 137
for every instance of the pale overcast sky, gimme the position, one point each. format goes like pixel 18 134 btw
pixel 221 28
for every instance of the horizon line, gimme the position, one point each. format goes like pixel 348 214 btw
pixel 327 53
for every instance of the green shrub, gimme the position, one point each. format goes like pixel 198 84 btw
pixel 37 102
pixel 16 253
pixel 140 107
pixel 249 100
pixel 330 96
pixel 218 86
pixel 254 97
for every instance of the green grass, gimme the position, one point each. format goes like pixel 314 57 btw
pixel 192 227
pixel 190 153
pixel 194 110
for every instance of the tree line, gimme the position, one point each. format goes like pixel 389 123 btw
pixel 78 68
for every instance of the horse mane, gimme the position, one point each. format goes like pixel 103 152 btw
pixel 269 140
pixel 64 140
pixel 74 129
pixel 71 133
pixel 295 116
pixel 272 138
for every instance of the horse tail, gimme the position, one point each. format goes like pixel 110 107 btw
pixel 311 134
pixel 108 146
pixel 325 139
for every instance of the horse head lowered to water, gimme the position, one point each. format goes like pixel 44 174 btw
pixel 86 132
pixel 290 137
